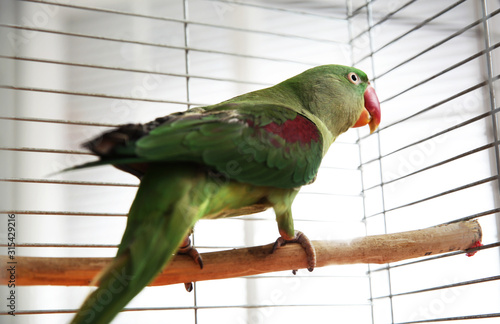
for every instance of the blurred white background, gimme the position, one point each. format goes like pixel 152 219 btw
pixel 70 70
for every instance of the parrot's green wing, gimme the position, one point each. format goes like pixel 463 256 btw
pixel 261 144
pixel 243 155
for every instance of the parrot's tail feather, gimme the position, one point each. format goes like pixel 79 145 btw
pixel 103 304
pixel 116 161
pixel 164 211
pixel 107 270
pixel 81 166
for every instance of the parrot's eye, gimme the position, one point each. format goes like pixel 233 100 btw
pixel 354 78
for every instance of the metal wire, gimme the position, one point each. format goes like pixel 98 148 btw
pixel 443 41
pixel 373 25
pixel 66 311
pixel 491 79
pixel 58 121
pixel 186 21
pixel 43 150
pixel 282 9
pixel 418 26
pixel 476 150
pixel 447 192
pixel 101 214
pixel 122 69
pixel 456 318
pixel 135 42
pixel 61 213
pixel 369 18
pixel 97 95
pixel 459 284
pixel 432 77
pixel 68 182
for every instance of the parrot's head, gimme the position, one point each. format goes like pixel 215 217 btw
pixel 340 96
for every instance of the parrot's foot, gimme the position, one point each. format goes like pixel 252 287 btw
pixel 188 249
pixel 306 244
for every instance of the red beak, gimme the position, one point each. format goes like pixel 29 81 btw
pixel 371 113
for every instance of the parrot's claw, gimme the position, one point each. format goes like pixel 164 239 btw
pixel 189 286
pixel 188 249
pixel 193 253
pixel 306 244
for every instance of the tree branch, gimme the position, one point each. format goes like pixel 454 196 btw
pixel 257 260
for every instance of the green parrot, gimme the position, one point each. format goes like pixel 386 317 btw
pixel 238 157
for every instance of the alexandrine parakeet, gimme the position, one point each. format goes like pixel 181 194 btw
pixel 240 156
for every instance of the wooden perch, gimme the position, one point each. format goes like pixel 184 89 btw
pixel 257 260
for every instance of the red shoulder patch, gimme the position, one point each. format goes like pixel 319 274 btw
pixel 299 129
